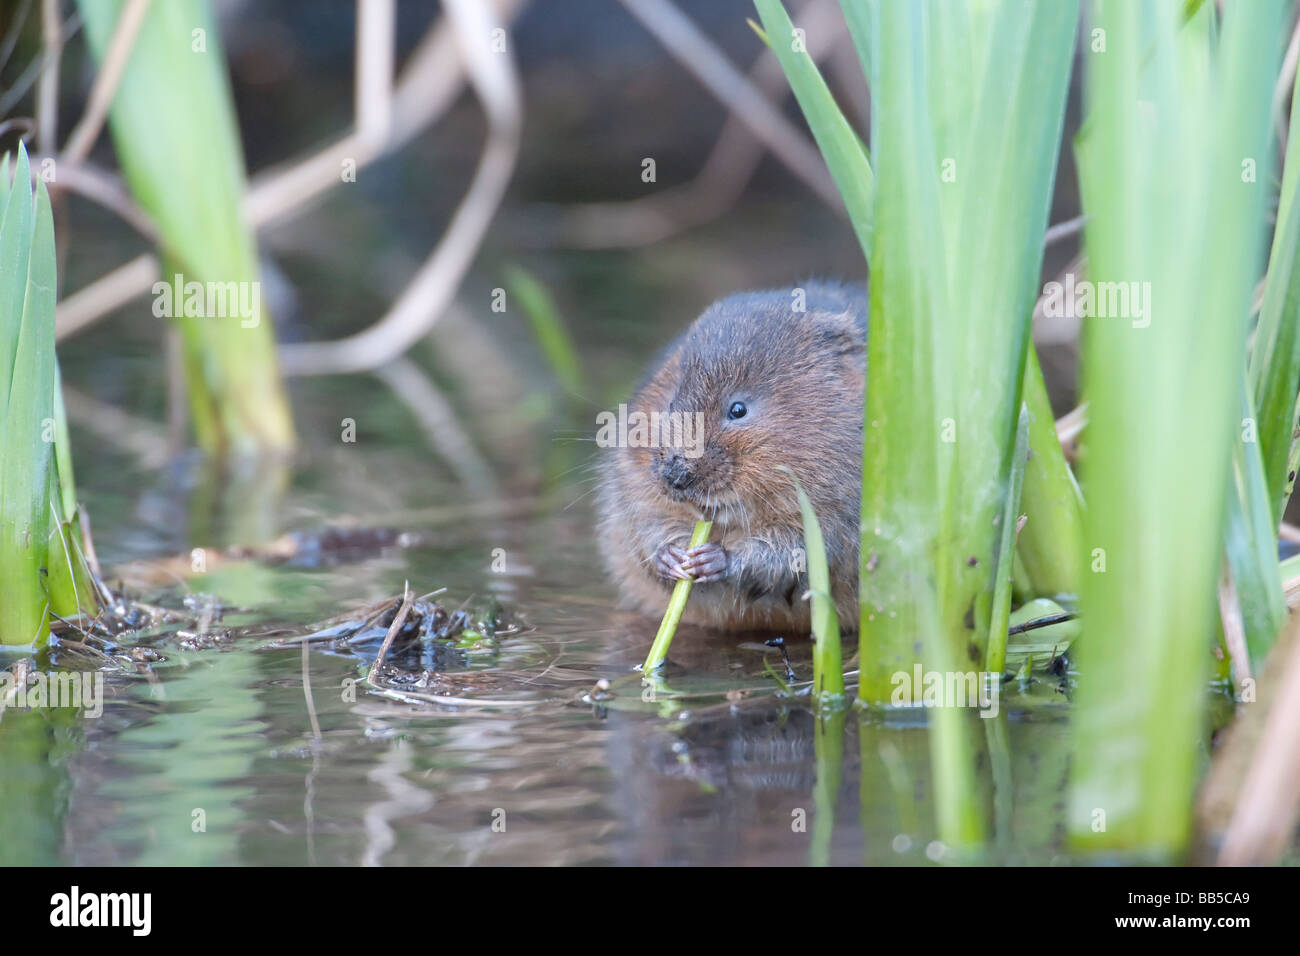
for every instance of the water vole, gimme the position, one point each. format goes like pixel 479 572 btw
pixel 766 385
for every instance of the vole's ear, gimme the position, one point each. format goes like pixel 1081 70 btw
pixel 842 332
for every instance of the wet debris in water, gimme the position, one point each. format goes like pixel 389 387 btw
pixel 201 635
pixel 597 696
pixel 410 640
pixel 83 642
pixel 425 619
pixel 779 642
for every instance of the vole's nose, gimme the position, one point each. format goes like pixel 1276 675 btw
pixel 676 472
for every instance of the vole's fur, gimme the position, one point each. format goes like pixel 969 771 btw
pixel 800 377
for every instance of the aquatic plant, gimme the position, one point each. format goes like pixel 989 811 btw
pixel 553 339
pixel 174 130
pixel 41 564
pixel 1174 168
pixel 828 676
pixel 951 225
pixel 951 207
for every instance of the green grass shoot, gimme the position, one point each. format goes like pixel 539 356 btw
pixel 1050 546
pixel 995 657
pixel 69 581
pixel 552 337
pixel 828 674
pixel 676 607
pixel 27 291
pixel 1274 372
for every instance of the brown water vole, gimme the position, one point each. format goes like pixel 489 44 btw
pixel 752 385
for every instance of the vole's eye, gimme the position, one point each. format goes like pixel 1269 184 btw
pixel 737 410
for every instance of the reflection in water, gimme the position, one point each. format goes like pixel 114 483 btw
pixel 213 757
pixel 405 800
pixel 211 754
pixel 179 776
pixel 34 783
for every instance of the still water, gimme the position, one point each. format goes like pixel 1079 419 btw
pixel 206 753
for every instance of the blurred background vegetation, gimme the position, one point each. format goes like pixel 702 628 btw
pixel 628 263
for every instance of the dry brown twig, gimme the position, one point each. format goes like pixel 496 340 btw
pixel 143 439
pixel 281 191
pixel 435 416
pixel 85 133
pixel 422 302
pixel 70 169
pixel 407 600
pixel 432 77
pixel 102 188
pixel 701 57
pixel 306 690
pixel 47 89
pixel 727 170
pixel 1282 89
pixel 1250 790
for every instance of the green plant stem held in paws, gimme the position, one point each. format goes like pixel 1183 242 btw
pixel 676 606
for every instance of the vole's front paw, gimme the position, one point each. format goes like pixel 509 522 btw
pixel 705 563
pixel 668 563
pixel 702 564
